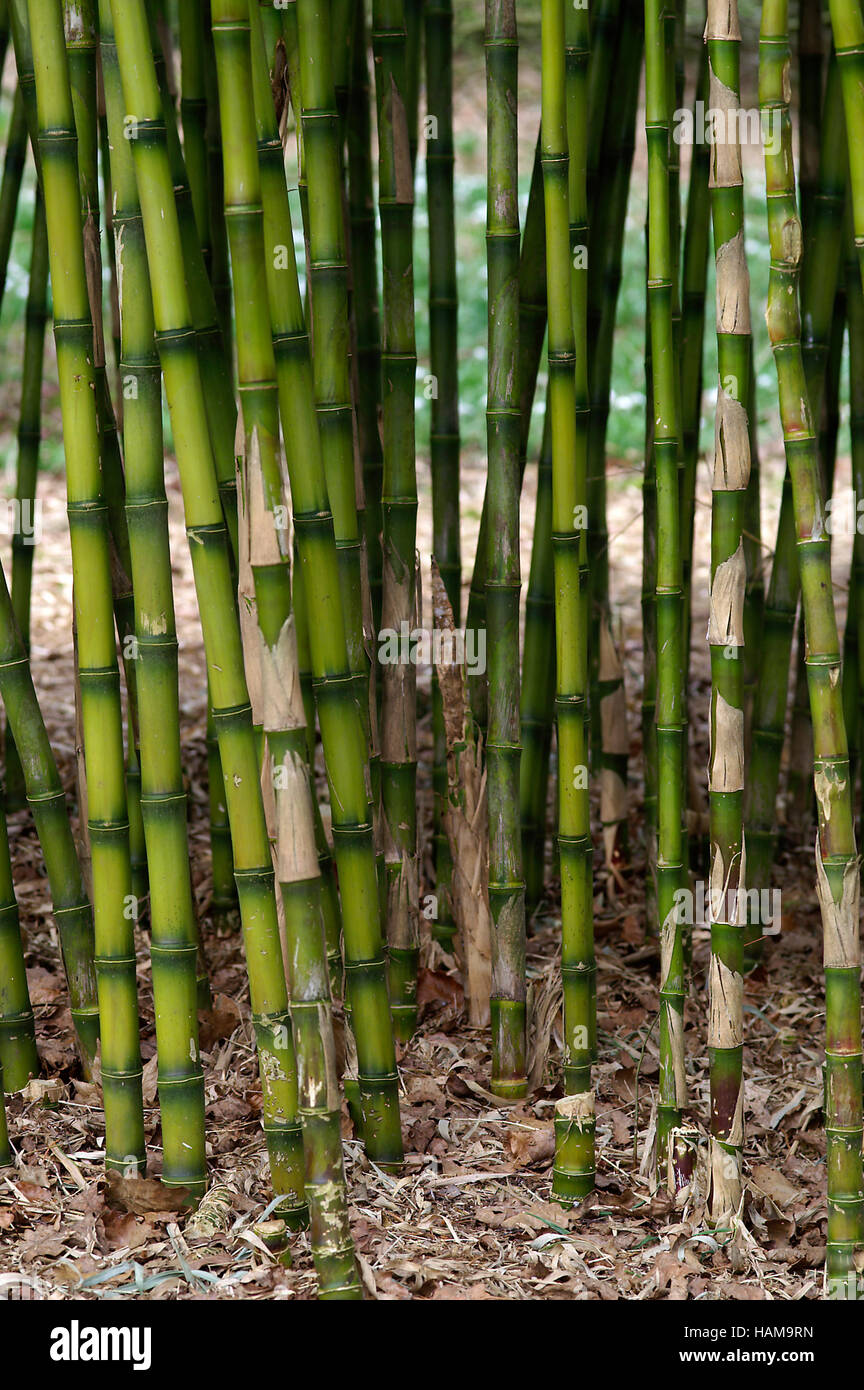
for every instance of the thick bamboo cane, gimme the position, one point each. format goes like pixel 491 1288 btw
pixel 174 929
pixel 837 865
pixel 98 671
pixel 726 621
pixel 673 1159
pixel 340 714
pixel 573 1174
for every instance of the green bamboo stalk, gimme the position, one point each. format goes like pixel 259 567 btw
pixel 311 1014
pixel 444 444
pixel 29 435
pixel 98 672
pixel 364 271
pixel 503 579
pixel 606 33
pixel 208 538
pixel 220 271
pixel 47 802
pixel 399 510
pixel 754 591
pixel 673 1160
pixel 694 270
pixel 837 866
pixel 329 300
pixel 19 1059
pixel 414 28
pixel 174 930
pixel 213 346
pixel 532 334
pixel 648 606
pixel 537 695
pixel 799 789
pixel 326 864
pixel 726 622
pixel 606 244
pixel 573 1174
pixel 193 26
pixel 81 32
pixel 818 281
pixel 4 31
pixel 847 27
pixel 340 714
pixel 809 56
pixel 10 186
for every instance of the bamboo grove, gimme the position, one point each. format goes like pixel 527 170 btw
pixel 225 241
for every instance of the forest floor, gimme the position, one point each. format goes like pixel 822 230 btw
pixel 471 1216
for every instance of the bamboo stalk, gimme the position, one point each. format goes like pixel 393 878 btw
pixel 837 866
pixel 673 1159
pixel 399 511
pixel 726 622
pixel 573 1174
pixel 819 273
pixel 81 32
pixel 340 714
pixel 29 436
pixel 609 727
pixel 444 443
pixel 503 580
pixel 19 1059
pixel 98 672
pixel 174 929
pixel 364 271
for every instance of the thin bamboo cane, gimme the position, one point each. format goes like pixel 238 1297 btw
pixel 81 33
pixel 754 591
pixel 694 270
pixel 341 717
pixel 399 511
pixel 606 244
pixel 444 443
pixel 503 580
pixel 537 694
pixel 673 1159
pixel 726 621
pixel 10 187
pixel 97 656
pixel 192 31
pixel 212 573
pixel 220 272
pixel 19 1059
pixel 837 866
pixel 847 27
pixel 809 56
pixel 573 1174
pixel 29 435
pixel 364 270
pixel 532 333
pixel 174 930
